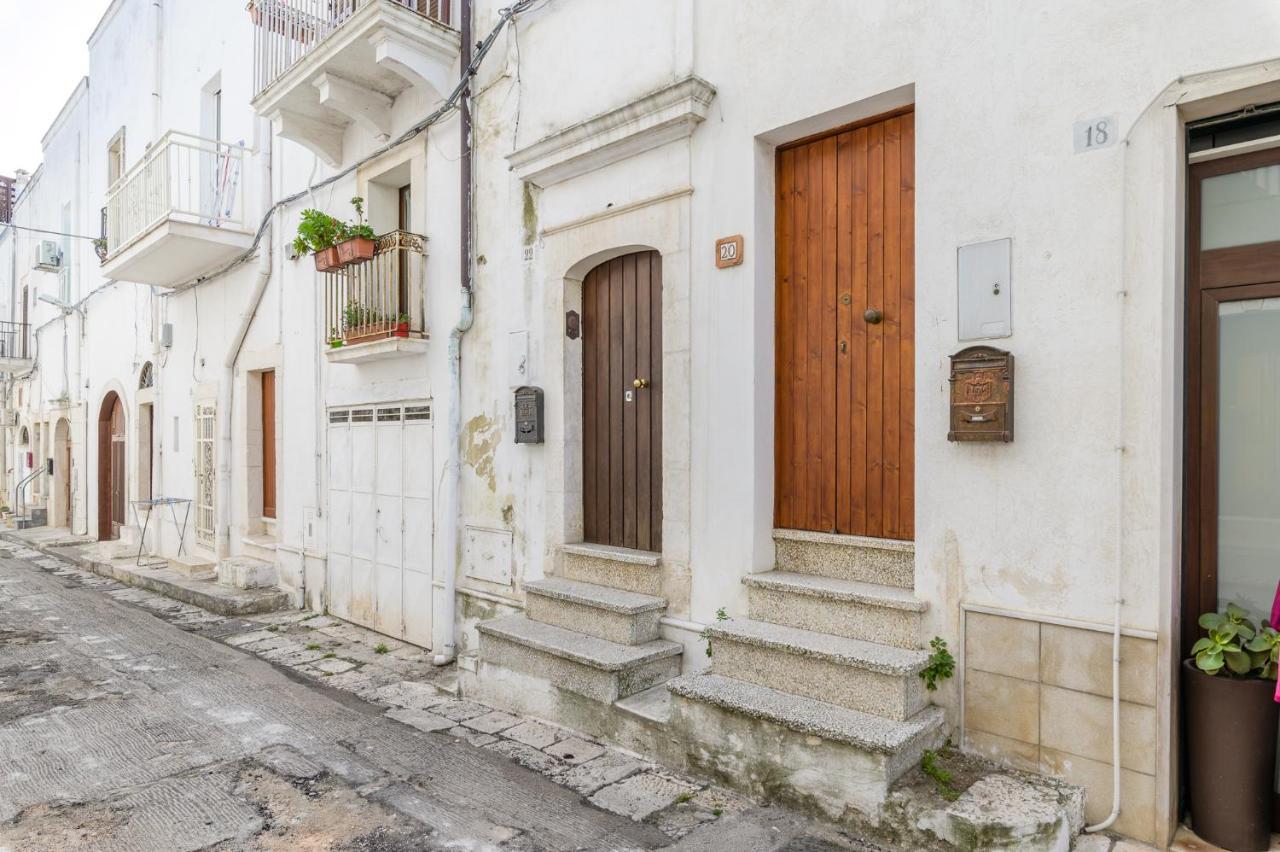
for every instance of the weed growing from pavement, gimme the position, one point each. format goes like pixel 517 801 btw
pixel 381 648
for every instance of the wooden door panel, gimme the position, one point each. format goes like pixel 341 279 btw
pixel 844 437
pixel 269 443
pixel 622 439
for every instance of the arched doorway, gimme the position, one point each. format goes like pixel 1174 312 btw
pixel 111 469
pixel 622 402
pixel 62 474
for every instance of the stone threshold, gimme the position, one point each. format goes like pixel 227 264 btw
pixel 159 578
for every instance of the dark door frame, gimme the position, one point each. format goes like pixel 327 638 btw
pixel 106 532
pixel 1213 277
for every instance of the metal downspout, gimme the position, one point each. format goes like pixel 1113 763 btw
pixel 451 516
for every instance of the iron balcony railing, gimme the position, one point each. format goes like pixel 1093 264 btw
pixel 287 30
pixel 13 339
pixel 181 177
pixel 371 300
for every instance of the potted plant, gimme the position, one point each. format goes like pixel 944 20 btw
pixel 100 248
pixel 335 339
pixel 360 323
pixel 319 233
pixel 402 326
pixel 357 240
pixel 1231 712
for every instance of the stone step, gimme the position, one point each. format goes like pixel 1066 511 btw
pixel 860 756
pixel 618 616
pixel 192 566
pixel 875 613
pixel 597 668
pixel 616 567
pixel 876 679
pixel 846 557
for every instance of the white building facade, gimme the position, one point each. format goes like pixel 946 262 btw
pixel 689 351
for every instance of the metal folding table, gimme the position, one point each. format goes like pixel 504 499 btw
pixel 150 506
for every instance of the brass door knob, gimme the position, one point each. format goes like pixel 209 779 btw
pixel 638 384
pixel 873 316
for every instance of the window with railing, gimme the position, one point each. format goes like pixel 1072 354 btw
pixel 181 177
pixel 287 30
pixel 374 299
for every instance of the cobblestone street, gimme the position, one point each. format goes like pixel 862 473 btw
pixel 130 721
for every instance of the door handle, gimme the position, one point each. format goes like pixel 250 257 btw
pixel 640 384
pixel 873 316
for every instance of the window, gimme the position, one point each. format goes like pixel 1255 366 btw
pixel 115 158
pixel 146 378
pixel 206 478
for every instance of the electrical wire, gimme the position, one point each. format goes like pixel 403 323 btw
pixel 4 225
pixel 451 103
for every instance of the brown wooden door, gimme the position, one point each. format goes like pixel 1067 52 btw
pixel 269 443
pixel 845 378
pixel 622 402
pixel 111 468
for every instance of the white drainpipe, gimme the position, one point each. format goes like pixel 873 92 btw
pixel 226 395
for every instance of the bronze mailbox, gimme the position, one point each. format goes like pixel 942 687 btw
pixel 981 395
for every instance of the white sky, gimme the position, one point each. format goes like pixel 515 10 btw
pixel 43 57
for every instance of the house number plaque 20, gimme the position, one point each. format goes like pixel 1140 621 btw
pixel 729 251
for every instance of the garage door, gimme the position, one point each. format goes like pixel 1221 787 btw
pixel 380 518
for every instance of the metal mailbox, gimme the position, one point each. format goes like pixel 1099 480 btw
pixel 981 395
pixel 529 415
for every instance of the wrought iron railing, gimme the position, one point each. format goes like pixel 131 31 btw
pixel 287 30
pixel 182 177
pixel 13 339
pixel 372 299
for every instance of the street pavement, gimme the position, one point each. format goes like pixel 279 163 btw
pixel 131 722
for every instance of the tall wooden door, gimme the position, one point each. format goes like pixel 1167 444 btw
pixel 268 443
pixel 845 340
pixel 111 468
pixel 622 402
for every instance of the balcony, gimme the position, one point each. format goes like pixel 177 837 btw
pixel 320 65
pixel 176 214
pixel 369 307
pixel 14 354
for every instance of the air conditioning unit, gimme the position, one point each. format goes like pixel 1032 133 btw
pixel 48 256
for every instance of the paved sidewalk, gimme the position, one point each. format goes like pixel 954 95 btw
pixel 122 725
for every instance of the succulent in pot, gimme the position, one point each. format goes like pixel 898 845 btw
pixel 1229 689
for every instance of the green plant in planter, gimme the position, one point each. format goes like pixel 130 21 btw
pixel 317 231
pixel 1235 644
pixel 358 228
pixel 355 315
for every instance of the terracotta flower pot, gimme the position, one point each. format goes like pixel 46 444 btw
pixel 1231 757
pixel 356 250
pixel 401 330
pixel 326 259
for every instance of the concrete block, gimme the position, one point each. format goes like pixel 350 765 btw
pixel 1001 812
pixel 611 614
pixel 244 572
pixel 641 795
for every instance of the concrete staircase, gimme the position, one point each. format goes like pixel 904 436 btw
pixel 830 650
pixel 591 630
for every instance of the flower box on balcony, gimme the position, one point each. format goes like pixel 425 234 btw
pixel 355 250
pixel 327 259
pixel 365 333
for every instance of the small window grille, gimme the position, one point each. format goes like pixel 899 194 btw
pixel 339 416
pixel 388 415
pixel 417 412
pixel 146 378
pixel 362 415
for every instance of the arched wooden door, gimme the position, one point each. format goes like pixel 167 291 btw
pixel 111 468
pixel 622 402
